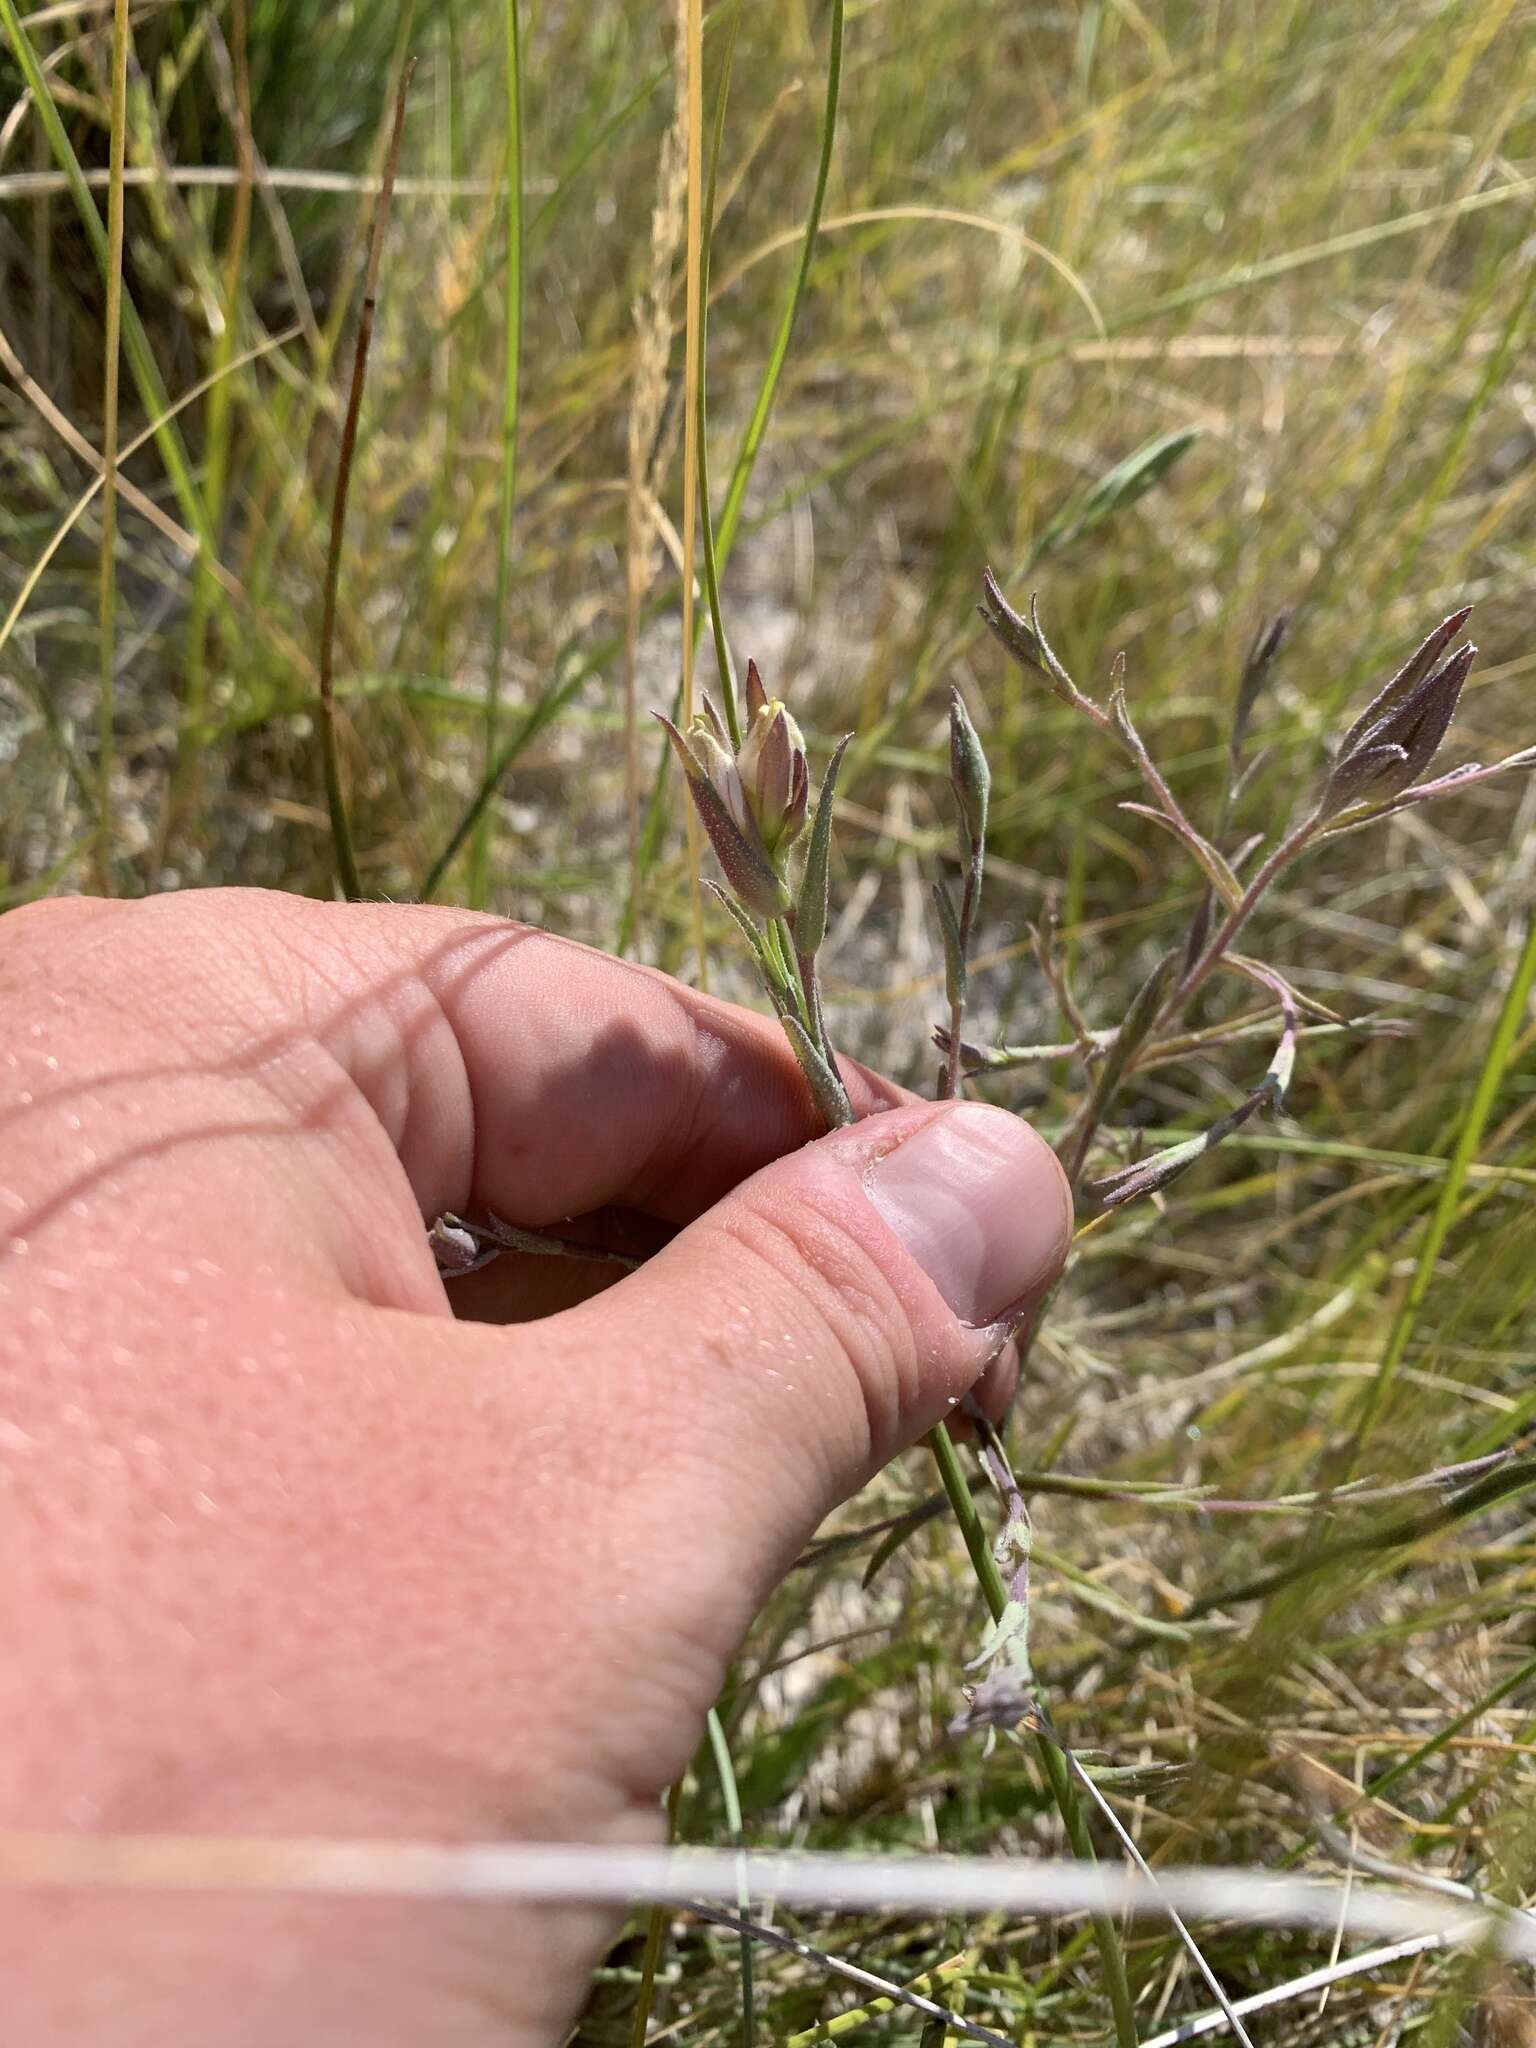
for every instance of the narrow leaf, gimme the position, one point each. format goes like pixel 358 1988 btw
pixel 811 905
pixel 954 952
pixel 1147 1176
pixel 1139 1020
pixel 773 979
pixel 1217 872
pixel 1120 487
pixel 827 1090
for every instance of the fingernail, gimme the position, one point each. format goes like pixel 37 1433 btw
pixel 979 1201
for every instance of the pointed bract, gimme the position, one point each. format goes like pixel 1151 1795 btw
pixel 1009 626
pixel 728 821
pixel 715 723
pixel 1353 779
pixel 811 909
pixel 757 696
pixel 1409 676
pixel 1435 707
pixel 774 774
pixel 1393 750
pixel 742 859
pixel 825 1083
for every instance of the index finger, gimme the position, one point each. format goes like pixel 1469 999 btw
pixel 507 1067
pixel 599 1082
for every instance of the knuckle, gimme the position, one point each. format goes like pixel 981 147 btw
pixel 831 1313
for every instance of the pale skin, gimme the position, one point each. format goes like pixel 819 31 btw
pixel 293 1546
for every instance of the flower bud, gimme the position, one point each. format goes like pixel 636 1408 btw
pixel 716 788
pixel 775 776
pixel 968 772
pixel 719 769
pixel 1384 753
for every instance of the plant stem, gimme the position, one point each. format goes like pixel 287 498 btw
pixel 707 524
pixel 1054 1764
pixel 790 962
pixel 341 829
pixel 968 902
pixel 691 60
pixel 810 983
pixel 511 391
pixel 757 427
pixel 1190 983
pixel 655 1934
pixel 725 1770
pixel 1239 915
pixel 216 442
pixel 107 588
pixel 136 346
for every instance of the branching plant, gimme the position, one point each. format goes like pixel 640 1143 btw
pixel 753 801
pixel 752 796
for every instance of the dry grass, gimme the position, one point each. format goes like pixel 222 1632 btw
pixel 1051 235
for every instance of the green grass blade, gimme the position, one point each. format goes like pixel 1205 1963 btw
pixel 511 384
pixel 720 1748
pixel 537 717
pixel 341 827
pixel 1464 1153
pixel 106 601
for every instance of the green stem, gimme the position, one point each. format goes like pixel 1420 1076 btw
pixel 1463 1156
pixel 706 521
pixel 1054 1764
pixel 217 441
pixel 725 1770
pixel 511 390
pixel 655 1935
pixel 810 983
pixel 757 426
pixel 107 589
pixel 342 845
pixel 784 947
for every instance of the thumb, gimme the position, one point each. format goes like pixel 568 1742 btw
pixel 818 1320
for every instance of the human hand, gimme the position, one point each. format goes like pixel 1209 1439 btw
pixel 290 1550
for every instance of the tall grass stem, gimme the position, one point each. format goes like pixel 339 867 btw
pixel 692 56
pixel 341 827
pixel 106 596
pixel 1058 1776
pixel 511 400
